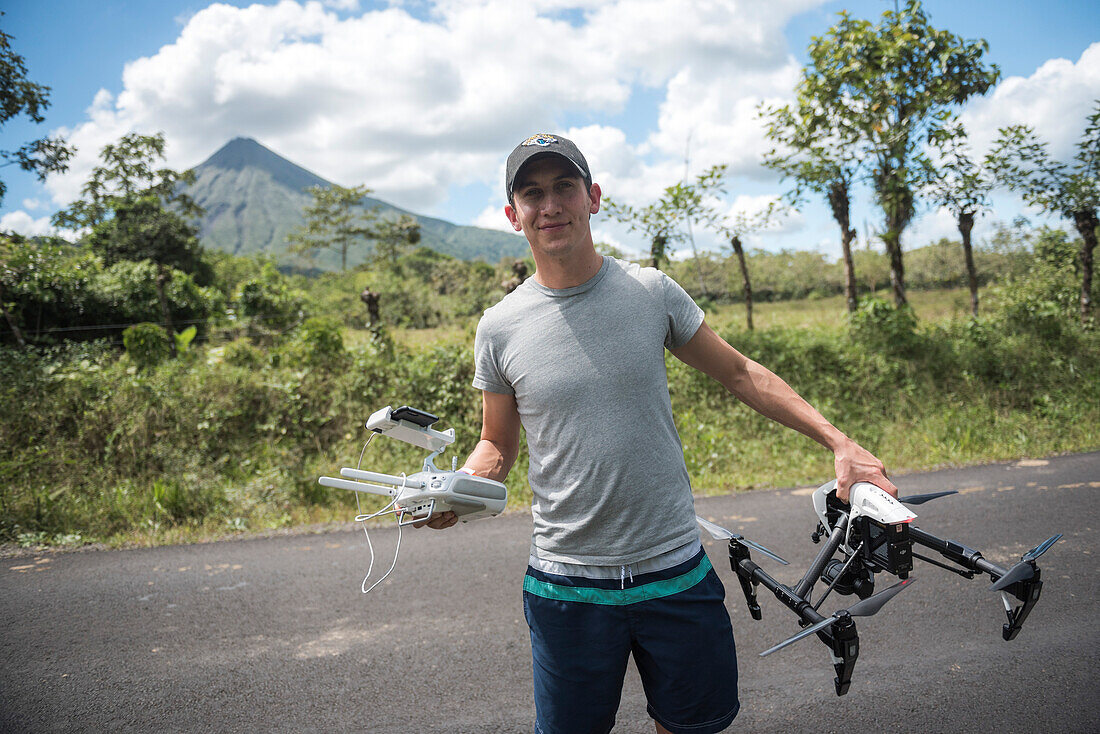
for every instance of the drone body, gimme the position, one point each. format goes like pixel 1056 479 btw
pixel 874 534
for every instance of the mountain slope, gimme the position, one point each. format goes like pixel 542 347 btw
pixel 254 198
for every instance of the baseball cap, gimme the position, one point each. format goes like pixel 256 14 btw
pixel 542 146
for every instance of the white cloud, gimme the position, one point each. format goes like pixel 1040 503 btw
pixel 22 223
pixel 32 204
pixel 412 105
pixel 932 227
pixel 492 217
pixel 1055 101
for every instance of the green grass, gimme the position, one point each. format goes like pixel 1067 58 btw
pixel 232 441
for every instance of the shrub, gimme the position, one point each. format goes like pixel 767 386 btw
pixel 241 353
pixel 883 327
pixel 147 344
pixel 317 343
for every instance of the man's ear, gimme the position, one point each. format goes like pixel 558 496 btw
pixel 594 194
pixel 510 212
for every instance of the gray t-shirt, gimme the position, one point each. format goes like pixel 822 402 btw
pixel 587 367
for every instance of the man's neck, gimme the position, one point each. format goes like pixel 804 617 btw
pixel 567 273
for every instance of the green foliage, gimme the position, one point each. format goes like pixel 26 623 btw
pixel 20 96
pixel 234 437
pixel 954 180
pixel 269 302
pixel 423 289
pixel 668 220
pixel 1020 160
pixel 877 90
pixel 184 339
pixel 126 292
pixel 883 327
pixel 1041 300
pixel 57 291
pixel 146 344
pixel 128 173
pixel 142 229
pixel 317 343
pixel 242 353
pixel 335 220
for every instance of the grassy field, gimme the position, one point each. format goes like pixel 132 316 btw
pixel 231 441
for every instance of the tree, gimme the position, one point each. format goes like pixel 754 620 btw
pixel 128 171
pixel 652 220
pixel 818 163
pixel 679 206
pixel 879 88
pixel 1020 160
pixel 21 96
pixel 961 185
pixel 142 229
pixel 136 212
pixel 734 231
pixel 391 236
pixel 335 220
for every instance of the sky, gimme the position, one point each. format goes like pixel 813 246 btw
pixel 422 100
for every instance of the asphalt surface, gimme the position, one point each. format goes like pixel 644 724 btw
pixel 274 634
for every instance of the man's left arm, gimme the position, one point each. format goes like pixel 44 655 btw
pixel 764 391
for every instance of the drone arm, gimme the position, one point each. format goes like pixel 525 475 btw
pixel 1026 590
pixel 963 555
pixel 822 558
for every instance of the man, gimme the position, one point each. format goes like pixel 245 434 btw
pixel 575 355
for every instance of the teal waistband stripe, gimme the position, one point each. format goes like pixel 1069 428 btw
pixel 618 597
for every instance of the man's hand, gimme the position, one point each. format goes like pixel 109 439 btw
pixel 856 464
pixel 438 520
pixel 442 520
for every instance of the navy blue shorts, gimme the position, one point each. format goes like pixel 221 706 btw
pixel 674 622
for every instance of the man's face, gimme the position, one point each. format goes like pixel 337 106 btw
pixel 552 206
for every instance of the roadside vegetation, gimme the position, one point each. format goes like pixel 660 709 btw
pixel 112 440
pixel 153 391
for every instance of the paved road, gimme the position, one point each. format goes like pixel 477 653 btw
pixel 274 634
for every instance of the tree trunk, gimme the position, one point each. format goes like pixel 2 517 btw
pixel 966 225
pixel 657 250
pixel 698 265
pixel 370 299
pixel 736 242
pixel 1086 222
pixel 163 276
pixel 838 201
pixel 11 322
pixel 892 240
pixel 896 200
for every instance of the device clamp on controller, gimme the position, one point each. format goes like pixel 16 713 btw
pixel 417 496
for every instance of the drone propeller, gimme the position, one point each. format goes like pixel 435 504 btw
pixel 720 533
pixel 864 608
pixel 1025 569
pixel 920 499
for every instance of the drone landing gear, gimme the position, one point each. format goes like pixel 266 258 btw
pixel 838 632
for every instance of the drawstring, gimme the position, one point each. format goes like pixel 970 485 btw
pixel 623 572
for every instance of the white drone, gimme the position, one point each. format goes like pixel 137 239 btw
pixel 875 534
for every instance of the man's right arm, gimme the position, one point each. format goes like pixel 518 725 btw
pixel 495 453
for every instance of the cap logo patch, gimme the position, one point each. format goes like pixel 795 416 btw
pixel 541 139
